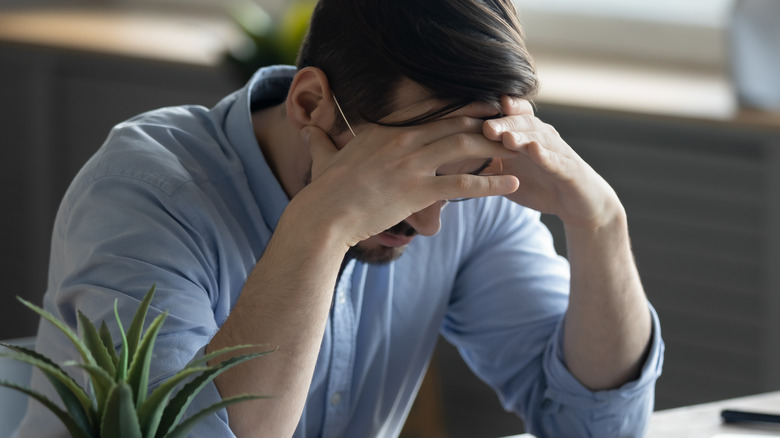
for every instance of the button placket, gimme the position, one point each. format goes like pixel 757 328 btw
pixel 343 323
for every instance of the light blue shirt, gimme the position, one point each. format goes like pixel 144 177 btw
pixel 182 197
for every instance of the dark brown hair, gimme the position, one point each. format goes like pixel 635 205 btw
pixel 462 51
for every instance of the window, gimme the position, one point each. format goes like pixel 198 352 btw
pixel 689 31
pixel 694 12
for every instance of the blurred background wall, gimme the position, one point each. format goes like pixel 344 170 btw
pixel 644 91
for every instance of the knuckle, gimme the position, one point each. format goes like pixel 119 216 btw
pixel 406 165
pixel 404 138
pixel 541 138
pixel 493 184
pixel 463 123
pixel 520 122
pixel 464 183
pixel 460 141
pixel 544 127
pixel 548 137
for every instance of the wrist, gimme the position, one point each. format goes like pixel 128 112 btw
pixel 607 212
pixel 315 228
pixel 612 221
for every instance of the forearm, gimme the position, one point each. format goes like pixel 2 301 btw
pixel 608 325
pixel 284 304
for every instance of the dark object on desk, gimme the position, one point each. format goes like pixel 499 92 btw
pixel 730 416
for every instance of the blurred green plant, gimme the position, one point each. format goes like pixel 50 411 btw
pixel 120 404
pixel 269 41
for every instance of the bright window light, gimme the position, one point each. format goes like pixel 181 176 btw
pixel 710 13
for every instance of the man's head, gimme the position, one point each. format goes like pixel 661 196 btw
pixel 407 62
pixel 461 51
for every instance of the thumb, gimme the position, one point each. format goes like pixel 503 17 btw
pixel 321 148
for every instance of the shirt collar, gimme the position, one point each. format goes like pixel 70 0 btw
pixel 268 85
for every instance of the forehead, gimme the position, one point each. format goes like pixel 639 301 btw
pixel 411 99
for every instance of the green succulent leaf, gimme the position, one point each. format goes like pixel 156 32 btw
pixel 80 346
pixel 52 367
pixel 138 377
pixel 73 427
pixel 92 340
pixel 78 413
pixel 122 405
pixel 108 342
pixel 185 426
pixel 102 383
pixel 180 402
pixel 119 419
pixel 151 410
pixel 137 325
pixel 214 354
pixel 121 366
pixel 73 396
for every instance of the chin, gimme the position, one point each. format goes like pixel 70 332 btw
pixel 375 254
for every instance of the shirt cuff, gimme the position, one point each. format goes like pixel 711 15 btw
pixel 635 397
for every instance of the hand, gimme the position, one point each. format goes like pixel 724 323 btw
pixel 386 174
pixel 553 178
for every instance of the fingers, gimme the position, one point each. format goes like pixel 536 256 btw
pixel 321 148
pixel 443 128
pixel 474 186
pixel 463 148
pixel 512 106
pixel 519 141
pixel 518 117
pixel 494 128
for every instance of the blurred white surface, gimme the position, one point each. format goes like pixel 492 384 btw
pixel 704 420
pixel 166 36
pixel 755 60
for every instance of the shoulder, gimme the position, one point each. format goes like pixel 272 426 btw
pixel 165 148
pixel 163 161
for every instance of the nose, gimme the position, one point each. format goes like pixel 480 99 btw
pixel 428 220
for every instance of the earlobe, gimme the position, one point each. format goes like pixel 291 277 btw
pixel 308 101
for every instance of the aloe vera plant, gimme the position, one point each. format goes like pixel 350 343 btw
pixel 119 404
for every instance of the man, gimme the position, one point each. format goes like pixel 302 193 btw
pixel 313 211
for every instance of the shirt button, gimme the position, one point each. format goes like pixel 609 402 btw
pixel 335 399
pixel 342 298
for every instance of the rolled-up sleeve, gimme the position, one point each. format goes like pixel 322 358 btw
pixel 570 409
pixel 506 318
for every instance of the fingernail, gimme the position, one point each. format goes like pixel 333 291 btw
pixel 495 126
pixel 305 134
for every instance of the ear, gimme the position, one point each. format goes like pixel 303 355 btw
pixel 309 101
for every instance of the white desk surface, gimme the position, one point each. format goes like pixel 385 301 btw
pixel 703 421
